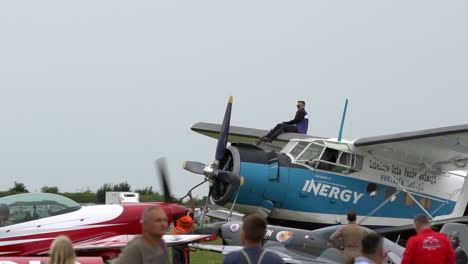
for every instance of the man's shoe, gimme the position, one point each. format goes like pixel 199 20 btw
pixel 265 139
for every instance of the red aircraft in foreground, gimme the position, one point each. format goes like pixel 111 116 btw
pixel 35 219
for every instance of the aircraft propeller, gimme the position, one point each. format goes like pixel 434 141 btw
pixel 161 169
pixel 216 172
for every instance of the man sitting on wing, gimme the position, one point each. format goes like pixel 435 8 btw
pixel 299 124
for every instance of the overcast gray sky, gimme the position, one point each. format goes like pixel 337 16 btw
pixel 94 91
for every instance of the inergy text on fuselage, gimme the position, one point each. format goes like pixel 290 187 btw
pixel 331 191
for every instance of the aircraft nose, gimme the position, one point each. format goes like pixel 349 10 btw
pixel 179 209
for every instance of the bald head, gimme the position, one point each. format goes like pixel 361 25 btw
pixel 146 214
pixel 155 222
pixel 421 222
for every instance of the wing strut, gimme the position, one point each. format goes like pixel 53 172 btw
pixel 233 204
pixel 401 188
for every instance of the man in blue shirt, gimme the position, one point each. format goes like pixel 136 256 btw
pixel 252 234
pixel 372 249
pixel 299 124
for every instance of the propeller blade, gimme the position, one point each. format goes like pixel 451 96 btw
pixel 230 177
pixel 161 168
pixel 224 132
pixel 194 166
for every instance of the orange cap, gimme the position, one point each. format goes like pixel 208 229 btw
pixel 184 225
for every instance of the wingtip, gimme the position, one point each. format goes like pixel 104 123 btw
pixel 241 181
pixel 184 164
pixel 231 99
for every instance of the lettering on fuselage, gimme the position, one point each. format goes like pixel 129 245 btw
pixel 268 233
pixel 331 191
pixel 397 170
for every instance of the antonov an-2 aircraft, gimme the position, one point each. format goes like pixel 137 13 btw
pixel 306 181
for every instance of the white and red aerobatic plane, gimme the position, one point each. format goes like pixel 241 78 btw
pixel 35 219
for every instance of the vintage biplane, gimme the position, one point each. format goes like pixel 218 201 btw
pixel 308 181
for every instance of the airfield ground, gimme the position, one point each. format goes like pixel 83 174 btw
pixel 205 257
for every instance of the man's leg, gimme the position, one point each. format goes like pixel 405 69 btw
pixel 283 129
pixel 178 254
pixel 274 130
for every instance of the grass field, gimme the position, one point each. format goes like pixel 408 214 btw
pixel 205 257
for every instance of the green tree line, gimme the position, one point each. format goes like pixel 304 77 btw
pixel 147 194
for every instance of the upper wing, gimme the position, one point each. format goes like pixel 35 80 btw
pixel 120 241
pixel 246 135
pixel 445 147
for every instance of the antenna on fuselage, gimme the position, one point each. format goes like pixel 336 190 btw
pixel 342 120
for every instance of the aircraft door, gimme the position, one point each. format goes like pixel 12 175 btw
pixel 278 179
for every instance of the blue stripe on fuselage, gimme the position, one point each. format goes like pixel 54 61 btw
pixel 331 193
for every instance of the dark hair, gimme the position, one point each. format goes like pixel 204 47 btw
pixel 421 219
pixel 254 227
pixel 352 216
pixel 302 102
pixel 371 243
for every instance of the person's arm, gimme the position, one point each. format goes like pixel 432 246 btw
pixel 192 204
pixel 335 236
pixel 298 118
pixel 408 256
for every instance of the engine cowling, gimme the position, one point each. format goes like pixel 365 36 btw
pixel 222 191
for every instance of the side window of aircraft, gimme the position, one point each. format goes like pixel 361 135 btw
pixel 33 206
pixel 328 159
pixel 345 159
pixel 372 189
pixel 391 193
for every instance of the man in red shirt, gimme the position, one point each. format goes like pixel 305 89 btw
pixel 428 246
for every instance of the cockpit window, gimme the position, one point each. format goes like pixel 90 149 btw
pixel 312 152
pixel 32 206
pixel 324 155
pixel 298 149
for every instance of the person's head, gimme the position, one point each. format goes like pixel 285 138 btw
pixel 61 251
pixel 183 225
pixel 300 105
pixel 154 221
pixel 421 222
pixel 4 212
pixel 253 229
pixel 373 247
pixel 351 216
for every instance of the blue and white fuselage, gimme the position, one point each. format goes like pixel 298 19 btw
pixel 316 182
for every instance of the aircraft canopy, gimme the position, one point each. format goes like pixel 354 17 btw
pixel 31 206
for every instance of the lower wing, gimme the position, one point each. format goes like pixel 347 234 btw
pixel 120 241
